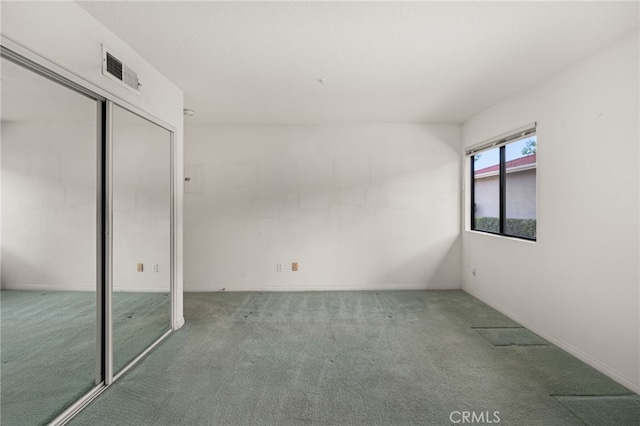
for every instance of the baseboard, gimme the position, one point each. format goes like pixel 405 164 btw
pixel 607 371
pixel 316 287
pixel 141 290
pixel 179 324
pixel 41 287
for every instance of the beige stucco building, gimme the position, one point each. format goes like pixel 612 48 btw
pixel 521 189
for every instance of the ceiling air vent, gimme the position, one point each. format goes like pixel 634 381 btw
pixel 113 68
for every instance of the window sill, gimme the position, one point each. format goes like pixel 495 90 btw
pixel 504 237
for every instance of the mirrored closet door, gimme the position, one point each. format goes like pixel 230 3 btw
pixel 49 280
pixel 86 241
pixel 141 232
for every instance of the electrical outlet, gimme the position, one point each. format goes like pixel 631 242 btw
pixel 156 267
pixel 140 267
pixel 294 266
pixel 279 267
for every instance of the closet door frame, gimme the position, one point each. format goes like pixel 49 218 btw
pixel 110 377
pixel 104 376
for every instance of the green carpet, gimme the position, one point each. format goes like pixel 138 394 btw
pixel 48 348
pixel 343 358
pixel 139 319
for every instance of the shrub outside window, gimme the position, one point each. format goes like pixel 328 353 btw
pixel 503 187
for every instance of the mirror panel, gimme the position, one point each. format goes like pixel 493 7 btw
pixel 141 234
pixel 49 241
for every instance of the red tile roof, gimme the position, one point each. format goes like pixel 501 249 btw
pixel 522 161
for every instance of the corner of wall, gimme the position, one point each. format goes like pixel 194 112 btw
pixel 577 286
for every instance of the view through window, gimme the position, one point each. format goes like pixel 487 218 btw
pixel 504 189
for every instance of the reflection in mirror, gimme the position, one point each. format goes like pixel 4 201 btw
pixel 141 265
pixel 48 233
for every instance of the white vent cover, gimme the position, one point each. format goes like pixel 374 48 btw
pixel 113 68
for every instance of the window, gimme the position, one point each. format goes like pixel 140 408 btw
pixel 503 185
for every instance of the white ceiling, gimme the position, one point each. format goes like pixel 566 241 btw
pixel 259 62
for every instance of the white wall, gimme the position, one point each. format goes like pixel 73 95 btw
pixel 66 35
pixel 49 194
pixel 578 285
pixel 141 204
pixel 49 203
pixel 358 206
